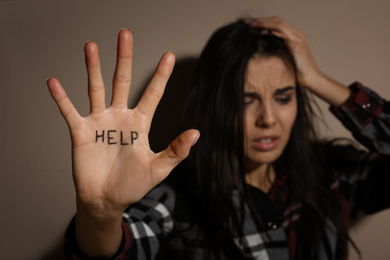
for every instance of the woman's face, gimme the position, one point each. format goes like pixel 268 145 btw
pixel 270 108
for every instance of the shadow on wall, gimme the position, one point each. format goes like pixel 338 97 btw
pixel 166 122
pixel 57 253
pixel 165 125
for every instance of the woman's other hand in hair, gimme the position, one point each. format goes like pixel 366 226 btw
pixel 113 165
pixel 308 73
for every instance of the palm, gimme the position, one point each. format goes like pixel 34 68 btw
pixel 113 165
pixel 106 163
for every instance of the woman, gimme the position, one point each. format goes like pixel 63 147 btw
pixel 259 184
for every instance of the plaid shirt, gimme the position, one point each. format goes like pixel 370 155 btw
pixel 359 179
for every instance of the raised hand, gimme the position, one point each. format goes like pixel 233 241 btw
pixel 307 69
pixel 113 165
pixel 308 74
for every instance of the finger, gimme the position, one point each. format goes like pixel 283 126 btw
pixel 176 152
pixel 154 91
pixel 270 22
pixel 66 107
pixel 278 26
pixel 95 81
pixel 122 75
pixel 279 34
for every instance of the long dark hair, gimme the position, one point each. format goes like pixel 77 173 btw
pixel 216 165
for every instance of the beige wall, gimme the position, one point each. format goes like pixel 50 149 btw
pixel 39 39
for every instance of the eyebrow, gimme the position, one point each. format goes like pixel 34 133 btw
pixel 283 90
pixel 277 92
pixel 251 94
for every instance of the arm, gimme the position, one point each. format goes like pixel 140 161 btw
pixel 113 166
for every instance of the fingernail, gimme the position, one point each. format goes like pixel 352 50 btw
pixel 251 22
pixel 196 139
pixel 47 79
pixel 265 32
pixel 125 29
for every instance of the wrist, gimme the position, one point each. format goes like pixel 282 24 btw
pixel 101 215
pixel 315 80
pixel 98 236
pixel 99 209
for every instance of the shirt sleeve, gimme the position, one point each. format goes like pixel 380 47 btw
pixel 73 252
pixel 367 116
pixel 151 223
pixel 364 177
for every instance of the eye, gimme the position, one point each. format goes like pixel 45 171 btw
pixel 248 100
pixel 284 99
pixel 283 96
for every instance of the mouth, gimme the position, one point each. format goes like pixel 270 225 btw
pixel 265 143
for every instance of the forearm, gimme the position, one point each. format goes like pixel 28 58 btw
pixel 329 90
pixel 98 237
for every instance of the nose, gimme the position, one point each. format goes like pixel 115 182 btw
pixel 266 117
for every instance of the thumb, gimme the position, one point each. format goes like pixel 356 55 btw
pixel 176 152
